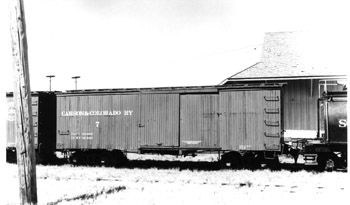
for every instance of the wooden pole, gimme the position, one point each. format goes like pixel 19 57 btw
pixel 22 100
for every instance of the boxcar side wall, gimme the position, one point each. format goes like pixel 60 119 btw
pixel 44 121
pixel 98 122
pixel 10 123
pixel 231 120
pixel 250 120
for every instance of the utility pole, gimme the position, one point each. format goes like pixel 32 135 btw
pixel 76 79
pixel 23 106
pixel 50 76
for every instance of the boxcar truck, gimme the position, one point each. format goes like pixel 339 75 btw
pixel 241 123
pixel 44 126
pixel 329 150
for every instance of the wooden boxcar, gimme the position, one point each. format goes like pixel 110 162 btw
pixel 44 125
pixel 181 120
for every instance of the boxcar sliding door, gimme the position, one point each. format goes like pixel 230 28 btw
pixel 199 119
pixel 159 124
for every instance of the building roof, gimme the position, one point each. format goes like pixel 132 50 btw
pixel 294 55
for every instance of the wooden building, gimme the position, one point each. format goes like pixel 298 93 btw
pixel 299 60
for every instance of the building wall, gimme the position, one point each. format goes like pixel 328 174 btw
pixel 300 106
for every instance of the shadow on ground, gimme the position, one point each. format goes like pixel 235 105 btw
pixel 194 165
pixel 201 165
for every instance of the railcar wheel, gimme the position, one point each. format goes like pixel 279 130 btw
pixel 114 158
pixel 104 158
pixel 236 162
pixel 322 159
pixel 251 161
pixel 91 158
pixel 329 162
pixel 78 158
pixel 273 164
pixel 224 162
pixel 232 160
pixel 248 160
pixel 330 165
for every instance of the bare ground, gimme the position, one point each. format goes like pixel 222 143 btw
pixel 170 184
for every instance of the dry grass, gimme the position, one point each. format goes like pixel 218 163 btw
pixel 99 185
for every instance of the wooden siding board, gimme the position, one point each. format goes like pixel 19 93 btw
pixel 160 120
pixel 253 119
pixel 230 119
pixel 199 120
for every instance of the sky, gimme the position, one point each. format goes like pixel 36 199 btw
pixel 156 43
pixel 153 43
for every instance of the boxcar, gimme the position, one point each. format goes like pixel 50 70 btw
pixel 231 120
pixel 44 125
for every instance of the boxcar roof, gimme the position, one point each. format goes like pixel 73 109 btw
pixel 188 89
